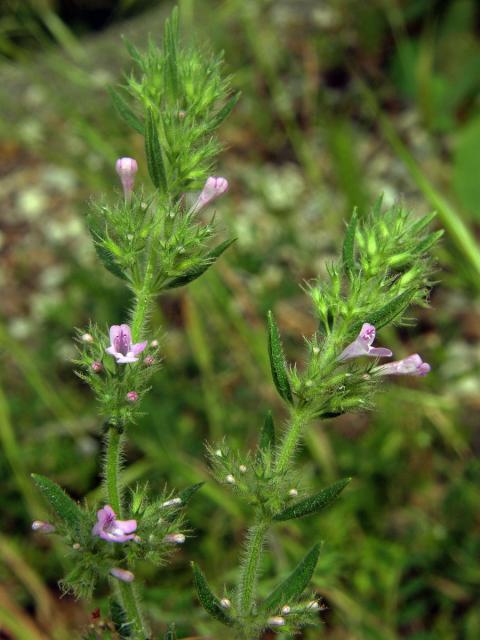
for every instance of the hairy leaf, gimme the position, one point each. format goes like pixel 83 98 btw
pixel 313 504
pixel 188 493
pixel 208 600
pixel 194 273
pixel 296 583
pixel 153 150
pixel 61 503
pixel 348 252
pixel 267 435
pixel 277 361
pixel 125 112
pixel 225 111
pixel 391 310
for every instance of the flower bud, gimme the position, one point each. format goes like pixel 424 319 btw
pixel 175 538
pixel 87 337
pixel 172 502
pixel 149 360
pixel 293 493
pixel 313 605
pixel 126 169
pixel 242 468
pixel 276 621
pixel 154 343
pixel 97 366
pixel 225 603
pixel 286 610
pixel 214 187
pixel 42 527
pixel 76 546
pixel 230 479
pixel 122 574
pixel 218 453
pixel 132 396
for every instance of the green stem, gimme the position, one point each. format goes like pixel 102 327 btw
pixel 249 572
pixel 112 470
pixel 290 440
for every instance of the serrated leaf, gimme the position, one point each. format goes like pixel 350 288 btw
pixel 194 273
pixel 125 112
pixel 208 600
pixel 64 507
pixel 171 632
pixel 391 310
pixel 296 583
pixel 187 494
pixel 313 504
pixel 120 620
pixel 223 113
pixel 348 252
pixel 267 435
pixel 277 361
pixel 153 150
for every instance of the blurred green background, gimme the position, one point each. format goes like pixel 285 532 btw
pixel 342 100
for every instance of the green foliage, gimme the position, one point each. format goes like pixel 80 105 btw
pixel 63 506
pixel 153 150
pixel 189 275
pixel 277 361
pixel 120 620
pixel 208 599
pixel 292 588
pixel 267 435
pixel 313 504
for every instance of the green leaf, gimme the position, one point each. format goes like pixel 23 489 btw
pixel 170 40
pixel 108 261
pixel 277 361
pixel 429 241
pixel 223 113
pixel 313 504
pixel 125 112
pixel 153 150
pixel 390 311
pixel 195 272
pixel 208 600
pixel 61 503
pixel 120 620
pixel 187 494
pixel 267 435
pixel 171 632
pixel 419 225
pixel 348 252
pixel 296 583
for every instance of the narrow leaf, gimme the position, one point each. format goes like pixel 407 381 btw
pixel 391 310
pixel 171 632
pixel 153 150
pixel 267 435
pixel 223 113
pixel 125 112
pixel 208 600
pixel 187 494
pixel 108 261
pixel 61 503
pixel 420 224
pixel 296 583
pixel 277 361
pixel 313 504
pixel 194 273
pixel 120 620
pixel 348 252
pixel 429 241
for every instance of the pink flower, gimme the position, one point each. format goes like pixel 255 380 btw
pixel 132 396
pixel 411 366
pixel 42 527
pixel 362 346
pixel 126 169
pixel 121 346
pixel 214 187
pixel 122 574
pixel 111 529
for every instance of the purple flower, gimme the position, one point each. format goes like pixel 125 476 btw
pixel 132 396
pixel 214 187
pixel 97 366
pixel 362 346
pixel 126 169
pixel 121 346
pixel 42 527
pixel 111 529
pixel 411 366
pixel 122 574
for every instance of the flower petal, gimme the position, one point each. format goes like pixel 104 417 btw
pixel 139 347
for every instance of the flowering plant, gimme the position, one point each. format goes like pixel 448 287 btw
pixel 155 241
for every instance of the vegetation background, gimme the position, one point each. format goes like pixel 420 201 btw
pixel 342 100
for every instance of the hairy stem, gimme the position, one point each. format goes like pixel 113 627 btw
pixel 112 469
pixel 290 439
pixel 249 571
